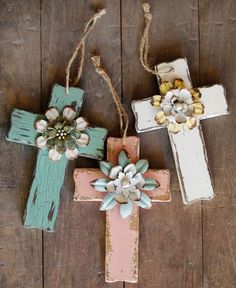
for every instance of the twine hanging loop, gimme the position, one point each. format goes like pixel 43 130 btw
pixel 81 48
pixel 144 42
pixel 123 116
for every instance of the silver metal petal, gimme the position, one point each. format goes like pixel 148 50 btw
pixel 115 171
pixel 126 209
pixel 180 117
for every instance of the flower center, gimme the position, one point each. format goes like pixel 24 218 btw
pixel 180 106
pixel 125 182
pixel 61 134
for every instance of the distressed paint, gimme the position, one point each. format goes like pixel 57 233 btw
pixel 188 145
pixel 121 262
pixel 122 235
pixel 43 202
pixel 22 127
pixel 85 192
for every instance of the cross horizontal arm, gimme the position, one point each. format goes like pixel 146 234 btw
pixel 22 127
pixel 95 148
pixel 144 114
pixel 214 101
pixel 84 191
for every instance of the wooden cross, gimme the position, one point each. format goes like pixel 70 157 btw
pixel 122 235
pixel 187 145
pixel 42 206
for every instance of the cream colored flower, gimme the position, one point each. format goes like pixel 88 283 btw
pixel 62 134
pixel 179 106
pixel 125 185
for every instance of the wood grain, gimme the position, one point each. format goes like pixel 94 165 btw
pixel 167 228
pixel 218 25
pixel 20 249
pixel 74 255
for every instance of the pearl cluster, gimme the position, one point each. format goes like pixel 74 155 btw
pixel 61 134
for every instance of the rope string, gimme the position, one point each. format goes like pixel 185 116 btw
pixel 123 116
pixel 144 42
pixel 81 47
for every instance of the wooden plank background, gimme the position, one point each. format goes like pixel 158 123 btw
pixel 180 246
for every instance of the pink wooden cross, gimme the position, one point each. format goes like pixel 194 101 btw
pixel 122 235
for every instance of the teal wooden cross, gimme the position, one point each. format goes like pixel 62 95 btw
pixel 42 206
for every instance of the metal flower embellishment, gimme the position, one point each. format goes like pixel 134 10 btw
pixel 125 184
pixel 62 134
pixel 179 105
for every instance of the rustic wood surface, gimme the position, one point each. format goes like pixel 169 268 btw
pixel 182 246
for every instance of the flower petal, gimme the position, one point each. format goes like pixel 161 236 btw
pixel 126 209
pixel 179 83
pixel 144 202
pixel 121 199
pixel 100 184
pixel 191 122
pixel 81 123
pixel 41 142
pixel 108 202
pixel 161 118
pixel 180 117
pixel 142 166
pixel 165 87
pixel 83 140
pixel 196 94
pixel 198 108
pixel 115 172
pixel 71 154
pixel 135 196
pixel 52 114
pixel 117 182
pixel 69 113
pixel 121 176
pixel 123 159
pixel 140 180
pixel 185 96
pixel 166 108
pixel 130 168
pixel 41 125
pixel 156 100
pixel 150 184
pixel 110 186
pixel 54 155
pixel 105 167
pixel 133 181
pixel 168 97
pixel 174 127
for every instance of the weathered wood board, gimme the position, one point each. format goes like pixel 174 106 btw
pixel 188 146
pixel 44 198
pixel 122 235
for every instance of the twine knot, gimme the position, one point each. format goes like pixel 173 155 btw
pixel 146 9
pixel 100 13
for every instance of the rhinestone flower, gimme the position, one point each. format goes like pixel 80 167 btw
pixel 62 134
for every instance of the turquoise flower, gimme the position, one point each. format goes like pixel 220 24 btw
pixel 125 185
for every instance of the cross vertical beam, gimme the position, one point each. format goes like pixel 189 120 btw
pixel 122 235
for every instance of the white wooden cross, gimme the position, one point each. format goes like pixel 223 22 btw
pixel 188 144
